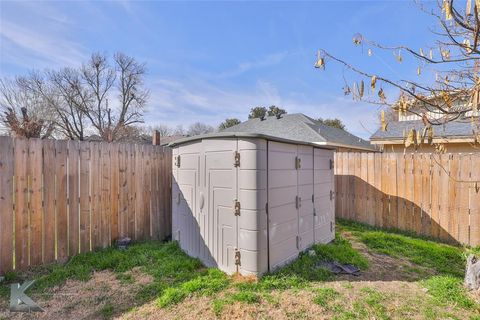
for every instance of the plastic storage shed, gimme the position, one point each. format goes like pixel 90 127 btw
pixel 250 203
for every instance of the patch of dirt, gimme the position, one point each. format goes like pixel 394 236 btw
pixel 383 267
pixel 84 300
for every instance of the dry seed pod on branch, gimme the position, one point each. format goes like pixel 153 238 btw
pixel 361 89
pixel 320 63
pixel 382 96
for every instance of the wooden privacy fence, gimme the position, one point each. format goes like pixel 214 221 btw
pixel 61 198
pixel 429 194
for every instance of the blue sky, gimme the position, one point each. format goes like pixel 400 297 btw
pixel 211 60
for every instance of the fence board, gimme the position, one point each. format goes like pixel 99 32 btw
pixel 85 218
pixel 36 206
pixel 114 193
pixel 426 195
pixel 131 192
pixel 73 198
pixel 6 204
pixel 21 204
pixel 403 189
pixel 105 233
pixel 474 202
pixel 463 219
pixel 435 197
pixel 61 200
pixel 49 222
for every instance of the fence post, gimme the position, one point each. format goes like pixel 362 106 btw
pixel 156 138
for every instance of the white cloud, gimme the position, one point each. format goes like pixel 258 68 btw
pixel 266 61
pixel 28 47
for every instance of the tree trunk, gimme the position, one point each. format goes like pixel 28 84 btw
pixel 472 274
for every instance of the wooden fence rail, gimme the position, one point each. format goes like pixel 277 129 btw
pixel 429 194
pixel 60 198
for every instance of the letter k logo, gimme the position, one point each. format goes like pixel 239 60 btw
pixel 19 301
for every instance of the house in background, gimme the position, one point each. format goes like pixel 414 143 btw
pixel 459 135
pixel 299 127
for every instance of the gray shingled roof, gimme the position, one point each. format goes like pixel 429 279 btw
pixel 453 129
pixel 295 127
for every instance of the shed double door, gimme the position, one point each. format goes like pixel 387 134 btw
pixel 300 208
pixel 290 206
pixel 204 189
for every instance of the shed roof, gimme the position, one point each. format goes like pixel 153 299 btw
pixel 293 128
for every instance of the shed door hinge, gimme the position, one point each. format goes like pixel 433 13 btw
pixel 298 163
pixel 313 198
pixel 236 159
pixel 177 161
pixel 266 208
pixel 331 164
pixel 236 207
pixel 299 239
pixel 298 202
pixel 331 226
pixel 237 258
pixel 331 195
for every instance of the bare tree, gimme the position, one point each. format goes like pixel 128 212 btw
pixel 66 96
pixel 163 129
pixel 199 128
pixel 179 130
pixel 103 96
pixel 127 76
pixel 454 93
pixel 24 112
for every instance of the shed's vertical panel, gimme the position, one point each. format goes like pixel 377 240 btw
pixel 323 201
pixel 306 196
pixel 282 191
pixel 219 192
pixel 252 194
pixel 188 178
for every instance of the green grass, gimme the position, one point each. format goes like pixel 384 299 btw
pixel 213 282
pixel 246 297
pixel 107 311
pixel 443 258
pixel 449 290
pixel 305 269
pixel 325 296
pixel 218 305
